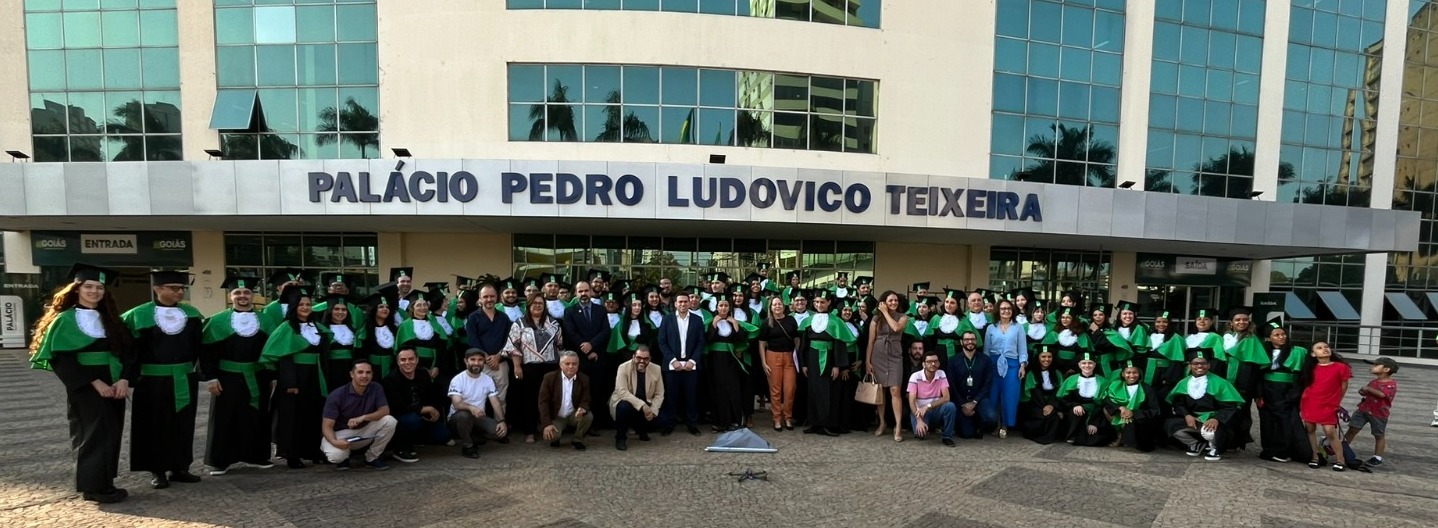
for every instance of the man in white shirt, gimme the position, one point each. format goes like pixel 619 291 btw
pixel 681 341
pixel 564 402
pixel 468 393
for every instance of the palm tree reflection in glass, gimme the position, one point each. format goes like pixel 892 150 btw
pixel 351 117
pixel 1071 157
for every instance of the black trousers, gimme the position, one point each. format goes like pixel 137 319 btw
pixel 96 425
pixel 626 417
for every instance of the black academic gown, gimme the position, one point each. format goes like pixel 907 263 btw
pixel 297 426
pixel 1146 430
pixel 380 354
pixel 728 376
pixel 340 356
pixel 239 423
pixel 1184 405
pixel 162 431
pixel 1280 429
pixel 96 423
pixel 823 391
pixel 1077 429
pixel 1038 427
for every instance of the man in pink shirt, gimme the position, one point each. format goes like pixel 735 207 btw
pixel 929 400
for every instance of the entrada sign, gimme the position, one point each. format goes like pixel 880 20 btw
pixel 683 192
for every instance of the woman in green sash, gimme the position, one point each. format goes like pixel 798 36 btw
pixel 1083 395
pixel 1043 412
pixel 824 356
pixel 850 416
pixel 422 331
pixel 1070 340
pixel 1239 361
pixel 1036 329
pixel 945 328
pixel 635 329
pixel 1132 407
pixel 377 333
pixel 82 339
pixel 1133 333
pixel 296 349
pixel 1162 362
pixel 726 344
pixel 343 340
pixel 1279 426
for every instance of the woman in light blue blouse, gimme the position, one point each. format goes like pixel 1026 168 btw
pixel 1008 348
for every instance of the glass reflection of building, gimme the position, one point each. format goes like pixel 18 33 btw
pixel 864 13
pixel 104 80
pixel 1416 176
pixel 297 81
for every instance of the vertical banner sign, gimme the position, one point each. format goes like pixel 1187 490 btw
pixel 12 322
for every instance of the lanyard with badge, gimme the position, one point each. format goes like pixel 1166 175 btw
pixel 969 369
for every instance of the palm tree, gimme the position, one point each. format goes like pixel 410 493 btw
pixel 750 129
pixel 258 146
pixel 127 128
pixel 634 129
pixel 1064 155
pixel 558 115
pixel 1158 181
pixel 353 117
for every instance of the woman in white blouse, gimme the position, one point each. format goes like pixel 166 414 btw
pixel 534 344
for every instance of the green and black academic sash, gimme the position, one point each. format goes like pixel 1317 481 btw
pixel 1067 353
pixel 65 337
pixel 1117 394
pixel 286 342
pixel 1247 350
pixel 179 374
pixel 1218 387
pixel 247 370
pixel 1289 368
pixel 835 328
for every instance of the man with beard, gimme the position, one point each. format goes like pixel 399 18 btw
pixel 239 429
pixel 509 299
pixel 469 391
pixel 415 402
pixel 167 338
pixel 403 278
pixel 486 330
pixel 586 330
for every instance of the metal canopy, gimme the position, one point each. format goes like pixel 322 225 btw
pixel 1337 306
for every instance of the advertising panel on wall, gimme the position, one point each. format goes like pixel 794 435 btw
pixel 1158 270
pixel 142 248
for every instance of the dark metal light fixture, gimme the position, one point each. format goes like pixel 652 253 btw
pixel 1255 194
pixel 215 153
pixel 717 159
pixel 401 152
pixel 16 155
pixel 1127 185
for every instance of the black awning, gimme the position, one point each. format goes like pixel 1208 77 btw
pixel 1337 306
pixel 1296 308
pixel 1404 306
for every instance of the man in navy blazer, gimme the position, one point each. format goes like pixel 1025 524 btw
pixel 681 340
pixel 586 331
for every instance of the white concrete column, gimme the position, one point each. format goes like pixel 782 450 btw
pixel 208 267
pixel 1137 63
pixel 1270 100
pixel 196 19
pixel 15 84
pixel 1260 279
pixel 19 254
pixel 1123 277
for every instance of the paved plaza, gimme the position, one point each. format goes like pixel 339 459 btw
pixel 855 480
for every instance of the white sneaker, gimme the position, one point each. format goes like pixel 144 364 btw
pixel 1435 421
pixel 1212 454
pixel 215 472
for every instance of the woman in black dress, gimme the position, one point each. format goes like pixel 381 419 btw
pixel 377 333
pixel 340 356
pixel 295 350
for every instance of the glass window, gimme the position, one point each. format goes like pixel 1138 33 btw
pixel 316 64
pixel 122 69
pixel 602 84
pixel 680 86
pixel 274 25
pixel 234 26
pixel 641 85
pixel 161 67
pixel 357 23
pixel 44 31
pixel 82 30
pixel 358 64
pixel 159 28
pixel 120 29
pixel 717 88
pixel 315 23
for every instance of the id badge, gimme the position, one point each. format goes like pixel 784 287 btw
pixel 969 381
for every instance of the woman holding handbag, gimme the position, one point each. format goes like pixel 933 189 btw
pixel 885 357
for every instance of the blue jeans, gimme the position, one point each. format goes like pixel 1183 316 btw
pixel 985 416
pixel 945 415
pixel 412 429
pixel 1004 392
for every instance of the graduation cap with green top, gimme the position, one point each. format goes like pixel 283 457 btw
pixel 442 288
pixel 1086 356
pixel 1275 323
pixel 530 281
pixel 1127 306
pixel 466 283
pixel 692 290
pixel 863 280
pixel 764 266
pixel 1067 310
pixel 349 280
pixel 552 278
pixel 753 277
pixel 717 276
pixel 385 294
pixel 1205 313
pixel 240 282
pixel 396 273
pixel 631 296
pixel 799 293
pixel 166 277
pixel 610 297
pixel 820 293
pixel 286 275
pixel 599 274
pixel 508 283
pixel 950 293
pixel 739 288
pixel 1102 308
pixel 920 287
pixel 81 272
pixel 621 285
pixel 789 277
pixel 1165 314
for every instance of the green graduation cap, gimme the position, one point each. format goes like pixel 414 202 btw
pixel 718 276
pixel 552 278
pixel 763 266
pixel 863 280
pixel 1102 308
pixel 753 277
pixel 621 285
pixel 1086 357
pixel 950 293
pixel 396 273
pixel 530 281
pixel 599 274
pixel 442 288
pixel 1276 322
pixel 1162 315
pixel 508 283
pixel 920 287
pixel 1127 306
pixel 81 272
pixel 610 297
pixel 789 277
pixel 739 288
pixel 1203 313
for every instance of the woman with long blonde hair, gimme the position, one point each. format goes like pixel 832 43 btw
pixel 82 339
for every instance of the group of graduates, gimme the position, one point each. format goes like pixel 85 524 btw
pixel 1090 377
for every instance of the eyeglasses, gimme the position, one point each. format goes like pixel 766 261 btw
pixel 641 359
pixel 969 340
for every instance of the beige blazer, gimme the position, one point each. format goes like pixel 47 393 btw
pixel 624 387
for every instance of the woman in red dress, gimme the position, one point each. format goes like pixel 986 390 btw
pixel 1324 381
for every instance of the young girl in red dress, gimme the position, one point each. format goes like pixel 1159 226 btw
pixel 1324 381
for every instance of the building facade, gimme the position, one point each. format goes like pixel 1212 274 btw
pixel 1182 154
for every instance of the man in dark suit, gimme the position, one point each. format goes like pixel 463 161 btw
pixel 586 330
pixel 681 340
pixel 564 401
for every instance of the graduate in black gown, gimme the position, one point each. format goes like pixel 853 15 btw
pixel 82 339
pixel 1042 411
pixel 1280 428
pixel 162 423
pixel 1132 407
pixel 824 354
pixel 344 341
pixel 725 344
pixel 1082 396
pixel 295 350
pixel 1204 407
pixel 850 417
pixel 378 330
pixel 239 429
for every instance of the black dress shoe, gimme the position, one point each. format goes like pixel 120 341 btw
pixel 578 446
pixel 109 497
pixel 665 431
pixel 621 444
pixel 949 442
pixel 184 477
pixel 812 430
pixel 789 426
pixel 159 481
pixel 555 443
pixel 469 452
pixel 778 429
pixel 295 463
pixel 694 430
pixel 827 432
pixel 643 436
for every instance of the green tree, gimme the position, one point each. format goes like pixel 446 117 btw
pixel 557 115
pixel 352 116
pixel 1071 157
pixel 750 129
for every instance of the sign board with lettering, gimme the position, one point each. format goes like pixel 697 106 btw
pixel 13 326
pixel 143 248
pixel 1159 270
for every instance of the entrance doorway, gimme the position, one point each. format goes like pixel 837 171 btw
pixel 1183 302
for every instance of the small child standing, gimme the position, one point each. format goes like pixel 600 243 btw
pixel 1324 380
pixel 1373 409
